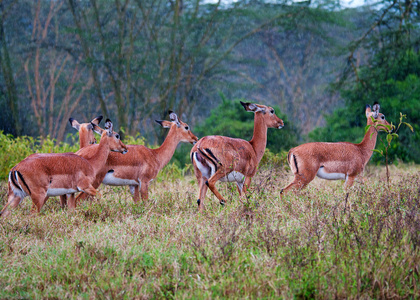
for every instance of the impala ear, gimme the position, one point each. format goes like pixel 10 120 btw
pixel 164 124
pixel 109 127
pixel 376 108
pixel 252 107
pixel 174 118
pixel 74 124
pixel 97 120
pixel 368 110
pixel 96 128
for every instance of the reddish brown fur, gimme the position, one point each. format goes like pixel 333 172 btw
pixel 61 170
pixel 235 154
pixel 344 158
pixel 142 163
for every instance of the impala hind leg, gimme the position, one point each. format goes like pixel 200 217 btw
pixel 201 193
pixel 299 182
pixel 211 183
pixel 13 201
pixel 63 201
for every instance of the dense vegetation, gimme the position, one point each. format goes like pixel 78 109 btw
pixel 317 244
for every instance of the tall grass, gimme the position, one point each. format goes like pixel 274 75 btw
pixel 315 244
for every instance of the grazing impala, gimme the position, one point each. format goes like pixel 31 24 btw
pixel 141 164
pixel 230 159
pixel 41 176
pixel 334 161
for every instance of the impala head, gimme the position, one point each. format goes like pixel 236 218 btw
pixel 113 138
pixel 270 118
pixel 373 112
pixel 181 128
pixel 86 135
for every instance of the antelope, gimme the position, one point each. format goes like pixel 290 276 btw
pixel 41 176
pixel 231 159
pixel 141 164
pixel 334 161
pixel 86 134
pixel 86 138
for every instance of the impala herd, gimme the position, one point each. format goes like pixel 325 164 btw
pixel 215 158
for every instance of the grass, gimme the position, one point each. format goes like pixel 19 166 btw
pixel 315 244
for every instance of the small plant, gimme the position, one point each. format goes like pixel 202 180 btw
pixel 391 134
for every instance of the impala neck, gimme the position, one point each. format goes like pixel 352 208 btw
pixel 369 142
pixel 165 152
pixel 259 139
pixel 99 158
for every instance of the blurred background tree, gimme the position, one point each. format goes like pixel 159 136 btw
pixel 316 62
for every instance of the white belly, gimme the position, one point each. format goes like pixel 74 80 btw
pixel 330 176
pixel 59 191
pixel 110 179
pixel 233 177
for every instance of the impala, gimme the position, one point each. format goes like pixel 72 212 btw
pixel 141 164
pixel 41 176
pixel 230 159
pixel 86 134
pixel 86 138
pixel 335 161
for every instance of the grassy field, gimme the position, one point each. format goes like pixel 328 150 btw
pixel 316 244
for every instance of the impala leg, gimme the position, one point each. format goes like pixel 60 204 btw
pixel 136 195
pixel 71 202
pixel 38 199
pixel 63 200
pixel 201 193
pixel 299 182
pixel 211 183
pixel 13 201
pixel 349 182
pixel 144 190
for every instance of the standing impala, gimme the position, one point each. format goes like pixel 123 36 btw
pixel 41 176
pixel 334 161
pixel 142 164
pixel 230 159
pixel 86 138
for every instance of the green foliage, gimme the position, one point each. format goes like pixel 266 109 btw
pixel 13 150
pixel 398 91
pixel 231 119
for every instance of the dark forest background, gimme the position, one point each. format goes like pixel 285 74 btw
pixel 316 62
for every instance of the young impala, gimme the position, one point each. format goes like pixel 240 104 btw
pixel 141 164
pixel 229 159
pixel 41 176
pixel 334 161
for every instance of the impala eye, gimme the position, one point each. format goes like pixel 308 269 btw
pixel 272 111
pixel 117 136
pixel 187 128
pixel 383 117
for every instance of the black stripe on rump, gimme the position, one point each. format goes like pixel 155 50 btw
pixel 297 169
pixel 212 155
pixel 12 177
pixel 206 156
pixel 23 180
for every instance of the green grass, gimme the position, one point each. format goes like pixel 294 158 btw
pixel 315 244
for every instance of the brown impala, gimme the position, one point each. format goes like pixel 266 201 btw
pixel 229 159
pixel 334 161
pixel 142 164
pixel 41 176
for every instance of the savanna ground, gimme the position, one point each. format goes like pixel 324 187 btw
pixel 316 244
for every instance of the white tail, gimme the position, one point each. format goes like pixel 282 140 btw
pixel 41 176
pixel 142 164
pixel 229 159
pixel 334 160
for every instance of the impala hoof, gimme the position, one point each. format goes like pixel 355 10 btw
pixel 222 203
pixel 198 202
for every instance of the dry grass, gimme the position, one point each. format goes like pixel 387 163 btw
pixel 316 244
